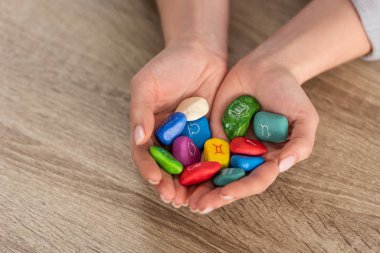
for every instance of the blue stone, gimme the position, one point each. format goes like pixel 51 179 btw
pixel 198 131
pixel 247 163
pixel 171 128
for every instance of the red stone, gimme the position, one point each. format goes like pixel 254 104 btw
pixel 199 173
pixel 246 146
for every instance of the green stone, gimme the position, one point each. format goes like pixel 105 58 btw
pixel 270 127
pixel 228 175
pixel 238 115
pixel 166 160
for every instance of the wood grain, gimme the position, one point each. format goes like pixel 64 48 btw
pixel 67 182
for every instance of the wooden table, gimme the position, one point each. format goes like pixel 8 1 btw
pixel 67 181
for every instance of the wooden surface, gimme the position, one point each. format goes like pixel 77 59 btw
pixel 67 182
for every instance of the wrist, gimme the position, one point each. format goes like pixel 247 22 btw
pixel 195 41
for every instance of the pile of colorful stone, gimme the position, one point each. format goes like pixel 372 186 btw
pixel 187 132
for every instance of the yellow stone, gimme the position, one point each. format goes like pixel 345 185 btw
pixel 217 150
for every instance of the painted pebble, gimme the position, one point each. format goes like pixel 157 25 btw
pixel 171 128
pixel 229 175
pixel 247 163
pixel 246 146
pixel 199 173
pixel 238 115
pixel 198 131
pixel 217 150
pixel 194 108
pixel 185 151
pixel 166 160
pixel 270 127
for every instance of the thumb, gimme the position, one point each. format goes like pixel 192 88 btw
pixel 142 107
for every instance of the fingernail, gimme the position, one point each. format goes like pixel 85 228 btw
pixel 167 201
pixel 193 210
pixel 207 210
pixel 153 182
pixel 139 134
pixel 176 205
pixel 286 163
pixel 226 197
pixel 185 204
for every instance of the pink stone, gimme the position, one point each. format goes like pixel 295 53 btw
pixel 185 151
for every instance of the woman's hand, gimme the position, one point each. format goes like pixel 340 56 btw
pixel 278 91
pixel 182 70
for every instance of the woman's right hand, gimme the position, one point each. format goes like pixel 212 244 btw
pixel 182 70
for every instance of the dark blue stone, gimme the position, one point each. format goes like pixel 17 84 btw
pixel 171 128
pixel 198 131
pixel 247 163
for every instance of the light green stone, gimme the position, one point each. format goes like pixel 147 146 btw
pixel 270 127
pixel 229 175
pixel 238 115
pixel 166 160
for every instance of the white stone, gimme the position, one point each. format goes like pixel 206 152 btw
pixel 194 108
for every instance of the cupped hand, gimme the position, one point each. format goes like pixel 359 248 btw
pixel 278 91
pixel 178 72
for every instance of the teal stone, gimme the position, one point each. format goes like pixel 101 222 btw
pixel 228 175
pixel 166 160
pixel 238 115
pixel 270 127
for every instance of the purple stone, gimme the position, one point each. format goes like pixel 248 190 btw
pixel 185 151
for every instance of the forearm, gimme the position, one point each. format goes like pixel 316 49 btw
pixel 196 20
pixel 323 35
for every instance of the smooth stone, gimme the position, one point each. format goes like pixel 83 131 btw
pixel 217 150
pixel 247 163
pixel 198 131
pixel 246 146
pixel 270 127
pixel 229 175
pixel 194 108
pixel 185 151
pixel 171 128
pixel 199 173
pixel 238 115
pixel 166 160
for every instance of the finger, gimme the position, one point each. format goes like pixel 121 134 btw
pixel 301 141
pixel 228 91
pixel 166 188
pixel 201 190
pixel 256 182
pixel 146 165
pixel 181 196
pixel 142 109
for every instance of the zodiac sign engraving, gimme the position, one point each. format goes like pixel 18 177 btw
pixel 250 142
pixel 239 110
pixel 218 149
pixel 193 128
pixel 263 128
pixel 191 148
pixel 193 167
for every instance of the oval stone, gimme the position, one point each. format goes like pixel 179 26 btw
pixel 166 160
pixel 198 131
pixel 238 115
pixel 185 151
pixel 229 175
pixel 199 173
pixel 171 128
pixel 217 150
pixel 247 163
pixel 270 127
pixel 246 146
pixel 194 108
